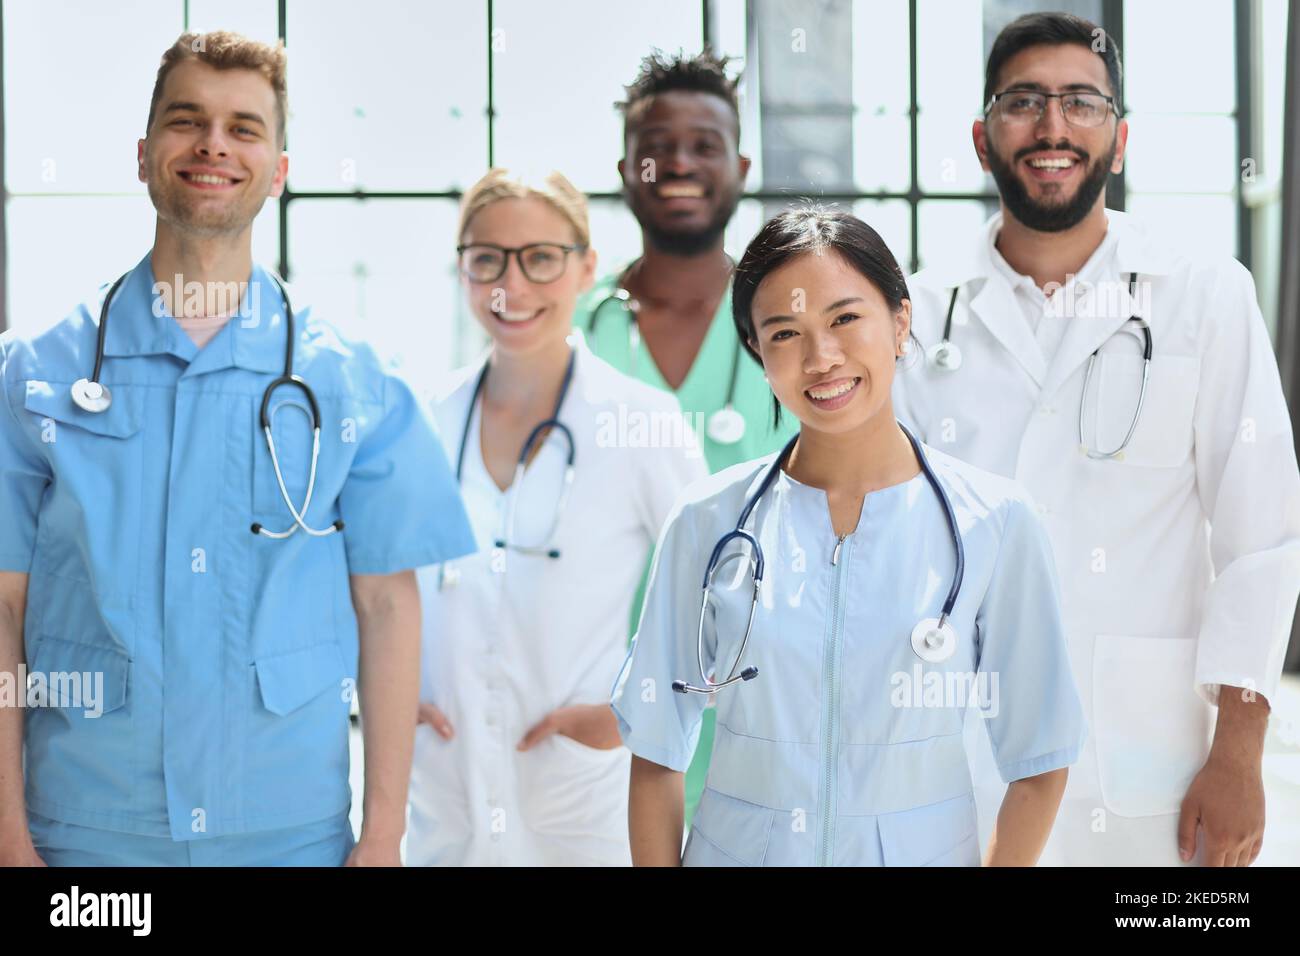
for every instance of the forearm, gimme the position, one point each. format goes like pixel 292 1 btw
pixel 656 809
pixel 13 812
pixel 388 617
pixel 1240 728
pixel 592 724
pixel 1025 819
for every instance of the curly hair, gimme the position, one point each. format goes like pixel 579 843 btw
pixel 703 73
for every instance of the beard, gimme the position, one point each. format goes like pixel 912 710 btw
pixel 186 213
pixel 683 242
pixel 1050 216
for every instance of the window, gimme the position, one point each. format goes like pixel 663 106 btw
pixel 395 108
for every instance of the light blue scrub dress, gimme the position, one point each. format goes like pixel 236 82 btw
pixel 846 749
pixel 228 659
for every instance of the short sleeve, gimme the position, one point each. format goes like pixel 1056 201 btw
pixel 655 722
pixel 24 476
pixel 400 505
pixel 1034 719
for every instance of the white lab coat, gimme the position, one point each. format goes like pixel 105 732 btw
pixel 1180 561
pixel 503 649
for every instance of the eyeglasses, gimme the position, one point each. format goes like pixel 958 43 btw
pixel 1027 106
pixel 538 261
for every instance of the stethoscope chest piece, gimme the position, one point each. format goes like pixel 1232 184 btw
pixel 726 426
pixel 934 642
pixel 91 396
pixel 945 355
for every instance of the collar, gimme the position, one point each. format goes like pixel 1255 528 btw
pixel 1090 271
pixel 139 324
pixel 1135 251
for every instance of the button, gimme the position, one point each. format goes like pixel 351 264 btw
pixel 496 837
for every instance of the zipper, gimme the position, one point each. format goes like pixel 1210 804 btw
pixel 831 694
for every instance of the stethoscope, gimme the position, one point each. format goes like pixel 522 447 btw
pixel 450 576
pixel 91 395
pixel 946 355
pixel 726 426
pixel 933 639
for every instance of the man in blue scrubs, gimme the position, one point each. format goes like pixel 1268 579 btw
pixel 190 675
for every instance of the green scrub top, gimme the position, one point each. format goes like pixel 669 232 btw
pixel 702 392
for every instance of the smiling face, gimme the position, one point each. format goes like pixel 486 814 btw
pixel 211 157
pixel 522 316
pixel 683 175
pixel 828 340
pixel 1051 174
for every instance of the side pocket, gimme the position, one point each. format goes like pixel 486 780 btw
pixel 288 681
pixel 1152 728
pixel 80 677
pixel 728 832
pixel 941 834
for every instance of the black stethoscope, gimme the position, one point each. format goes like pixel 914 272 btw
pixel 933 639
pixel 945 355
pixel 91 395
pixel 450 576
pixel 726 426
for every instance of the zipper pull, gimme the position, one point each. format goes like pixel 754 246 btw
pixel 835 555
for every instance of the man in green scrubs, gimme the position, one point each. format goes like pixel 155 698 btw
pixel 683 175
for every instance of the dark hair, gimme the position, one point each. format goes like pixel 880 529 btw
pixel 703 73
pixel 812 228
pixel 1054 29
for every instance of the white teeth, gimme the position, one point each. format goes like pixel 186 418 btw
pixel 517 316
pixel 1063 163
pixel 680 190
pixel 211 180
pixel 826 393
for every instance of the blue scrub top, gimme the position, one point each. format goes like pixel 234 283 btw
pixel 847 748
pixel 227 658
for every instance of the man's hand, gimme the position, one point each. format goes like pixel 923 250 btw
pixel 1226 799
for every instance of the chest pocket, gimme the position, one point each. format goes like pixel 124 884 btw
pixel 1164 433
pixel 291 431
pixel 97 464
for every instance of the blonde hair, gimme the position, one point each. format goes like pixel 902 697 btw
pixel 225 50
pixel 553 188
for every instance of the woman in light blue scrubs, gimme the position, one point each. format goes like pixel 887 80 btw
pixel 846 747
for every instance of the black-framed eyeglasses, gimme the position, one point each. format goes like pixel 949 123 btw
pixel 538 261
pixel 1080 108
